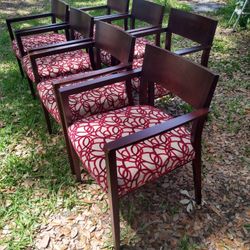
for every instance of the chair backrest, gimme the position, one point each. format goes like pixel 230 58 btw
pixel 81 22
pixel 118 5
pixel 193 83
pixel 148 12
pixel 115 41
pixel 197 28
pixel 60 10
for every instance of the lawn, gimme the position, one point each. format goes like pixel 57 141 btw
pixel 41 204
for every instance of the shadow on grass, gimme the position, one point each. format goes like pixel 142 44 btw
pixel 155 217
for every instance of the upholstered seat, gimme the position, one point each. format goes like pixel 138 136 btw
pixel 159 90
pixel 34 41
pixel 136 164
pixel 139 51
pixel 58 65
pixel 86 103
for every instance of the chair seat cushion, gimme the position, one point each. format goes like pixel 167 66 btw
pixel 159 90
pixel 35 41
pixel 86 103
pixel 136 164
pixel 140 45
pixel 58 65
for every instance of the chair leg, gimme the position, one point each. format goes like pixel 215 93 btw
pixel 47 119
pixel 197 179
pixel 20 66
pixel 125 24
pixel 75 164
pixel 72 156
pixel 31 88
pixel 115 221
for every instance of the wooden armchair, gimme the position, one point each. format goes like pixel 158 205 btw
pixel 125 148
pixel 97 100
pixel 121 8
pixel 100 100
pixel 193 27
pixel 44 62
pixel 59 10
pixel 152 15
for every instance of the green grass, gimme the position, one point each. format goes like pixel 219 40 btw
pixel 185 244
pixel 35 178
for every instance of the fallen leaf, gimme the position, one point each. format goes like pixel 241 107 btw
pixel 190 207
pixel 184 201
pixel 44 242
pixel 74 232
pixel 184 192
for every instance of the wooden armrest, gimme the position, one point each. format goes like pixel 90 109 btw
pixel 155 130
pixel 87 75
pixel 141 29
pixel 64 92
pixel 25 18
pixel 9 21
pixel 112 17
pixel 150 31
pixel 99 82
pixel 94 8
pixel 50 46
pixel 61 49
pixel 39 27
pixel 194 49
pixel 42 29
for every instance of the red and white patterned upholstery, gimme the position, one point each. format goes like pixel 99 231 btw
pixel 86 103
pixel 140 45
pixel 58 65
pixel 138 163
pixel 35 41
pixel 159 90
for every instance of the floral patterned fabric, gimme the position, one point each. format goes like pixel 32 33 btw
pixel 35 41
pixel 140 45
pixel 136 164
pixel 58 65
pixel 86 103
pixel 159 90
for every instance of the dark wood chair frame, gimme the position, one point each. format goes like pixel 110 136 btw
pixel 193 83
pixel 59 10
pixel 194 27
pixel 120 6
pixel 78 21
pixel 189 25
pixel 103 40
pixel 142 10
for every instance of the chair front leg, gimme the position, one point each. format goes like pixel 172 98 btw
pixel 74 161
pixel 113 197
pixel 196 163
pixel 197 178
pixel 72 156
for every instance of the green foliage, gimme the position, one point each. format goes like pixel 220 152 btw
pixel 185 244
